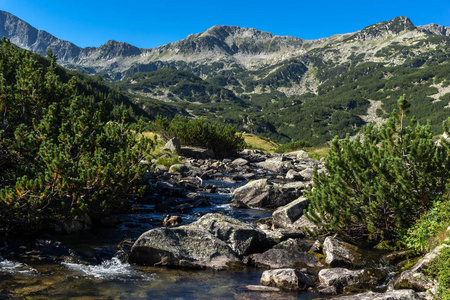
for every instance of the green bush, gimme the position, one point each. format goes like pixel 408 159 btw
pixel 430 229
pixel 293 146
pixel 378 184
pixel 222 139
pixel 61 157
pixel 439 270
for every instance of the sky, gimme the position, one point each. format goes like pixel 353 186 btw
pixel 148 24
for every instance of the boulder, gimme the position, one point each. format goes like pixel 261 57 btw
pixel 282 258
pixel 305 225
pixel 307 174
pixel 415 278
pixel 172 221
pixel 275 164
pixel 239 162
pixel 389 295
pixel 288 279
pixel 285 217
pixel 173 145
pixel 293 175
pixel 337 255
pixel 340 277
pixel 241 237
pixel 266 194
pixel 182 247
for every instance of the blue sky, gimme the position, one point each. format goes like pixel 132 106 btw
pixel 149 24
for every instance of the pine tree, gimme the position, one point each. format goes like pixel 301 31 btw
pixel 379 183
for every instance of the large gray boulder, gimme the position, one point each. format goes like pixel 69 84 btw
pixel 389 295
pixel 282 258
pixel 289 279
pixel 182 247
pixel 415 278
pixel 266 194
pixel 285 217
pixel 242 238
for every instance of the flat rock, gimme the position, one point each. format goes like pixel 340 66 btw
pixel 340 277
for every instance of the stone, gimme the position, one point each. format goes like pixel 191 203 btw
pixel 239 162
pixel 241 237
pixel 266 194
pixel 282 258
pixel 275 164
pixel 197 152
pixel 288 279
pixel 389 295
pixel 182 247
pixel 285 217
pixel 173 145
pixel 340 277
pixel 293 175
pixel 171 221
pixel 414 278
pixel 307 174
pixel 336 254
pixel 306 225
pixel 262 289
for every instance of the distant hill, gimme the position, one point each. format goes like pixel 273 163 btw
pixel 280 87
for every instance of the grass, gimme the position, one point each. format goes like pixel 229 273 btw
pixel 255 142
pixel 318 153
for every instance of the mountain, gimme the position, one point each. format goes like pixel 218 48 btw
pixel 281 87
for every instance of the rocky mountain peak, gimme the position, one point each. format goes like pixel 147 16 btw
pixel 435 29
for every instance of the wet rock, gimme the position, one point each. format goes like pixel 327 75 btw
pixel 288 279
pixel 282 258
pixel 415 278
pixel 263 193
pixel 337 255
pixel 389 295
pixel 340 277
pixel 243 238
pixel 173 145
pixel 172 221
pixel 182 247
pixel 285 217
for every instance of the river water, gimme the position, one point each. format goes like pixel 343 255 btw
pixel 111 278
